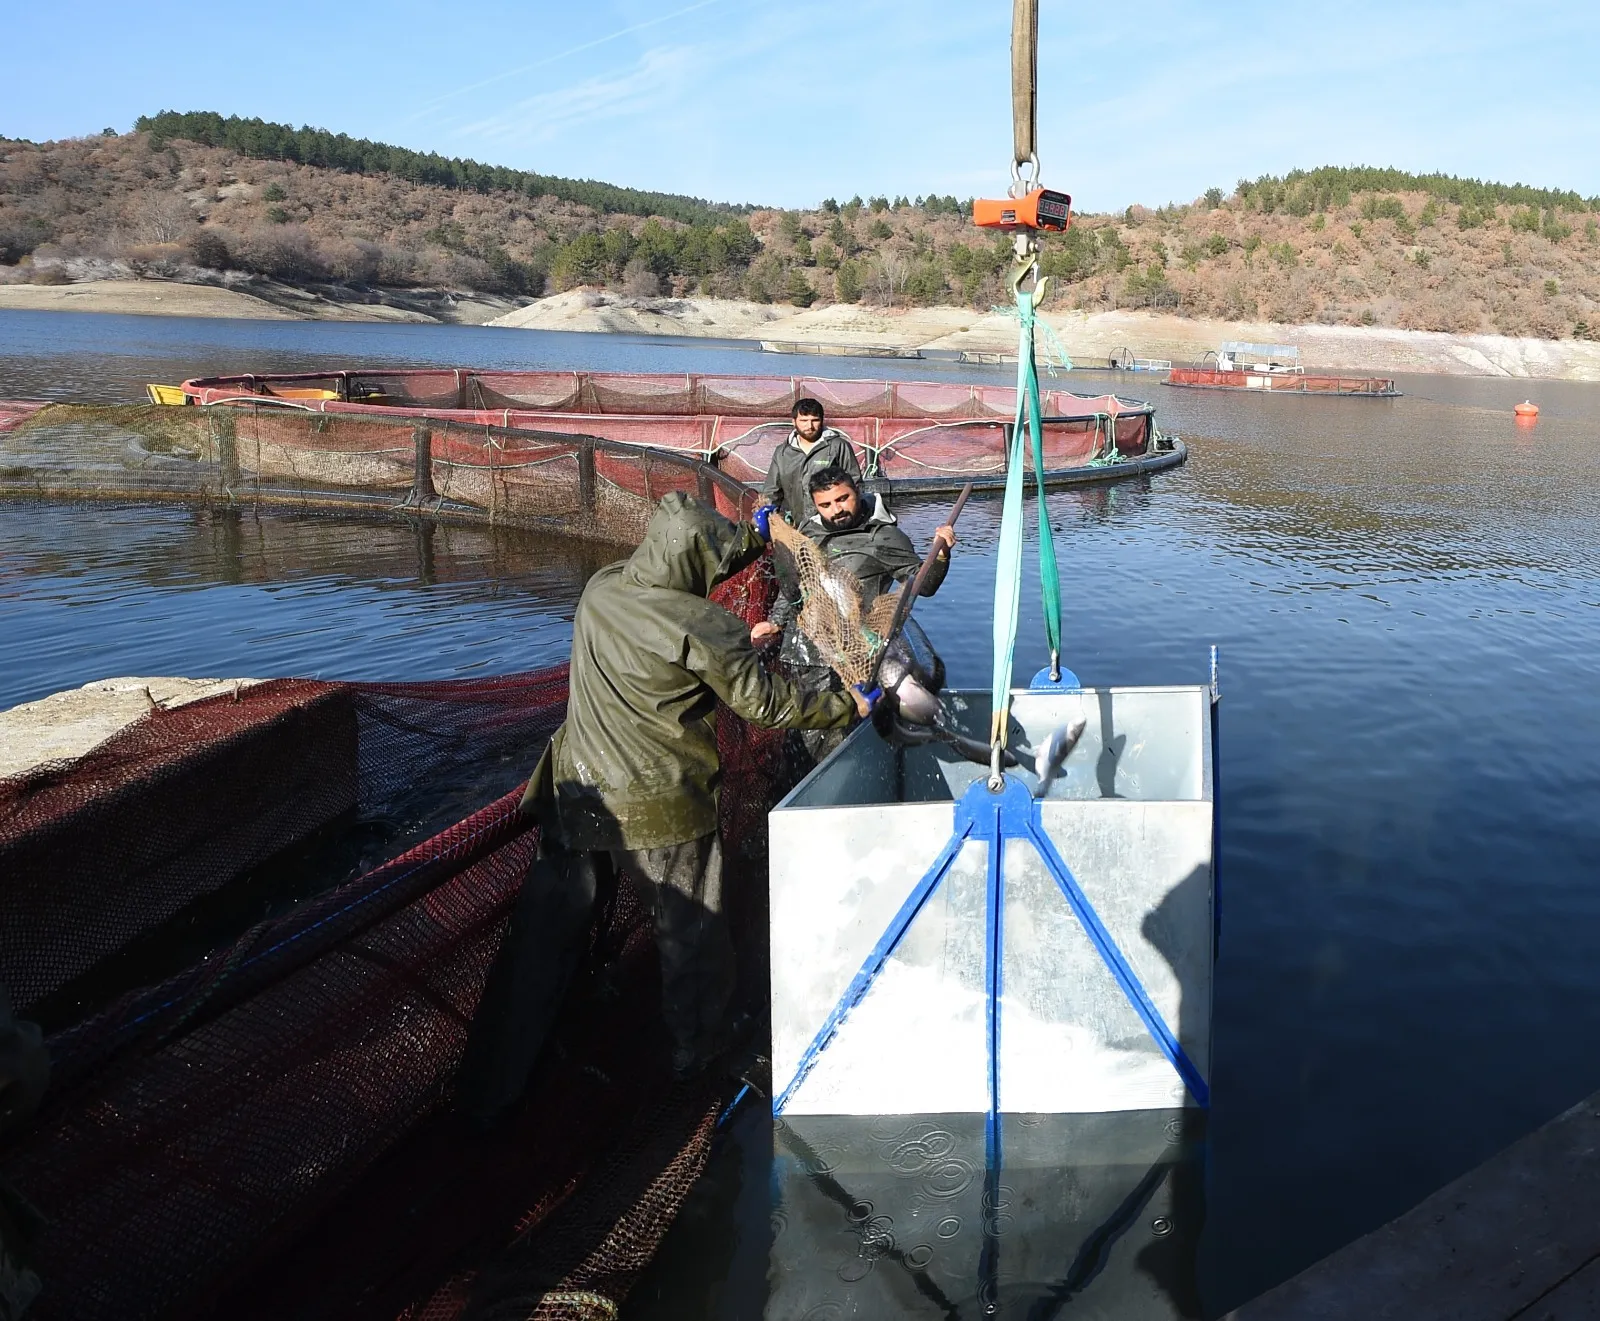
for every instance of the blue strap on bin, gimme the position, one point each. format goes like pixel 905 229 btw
pixel 1012 814
pixel 886 945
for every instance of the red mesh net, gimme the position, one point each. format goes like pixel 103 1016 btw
pixel 571 484
pixel 1279 382
pixel 14 411
pixel 903 428
pixel 264 1130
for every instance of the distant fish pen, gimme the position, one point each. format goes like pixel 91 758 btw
pixel 1198 378
pixel 806 347
pixel 1241 365
pixel 913 436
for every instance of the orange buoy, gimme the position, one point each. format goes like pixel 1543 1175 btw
pixel 1526 409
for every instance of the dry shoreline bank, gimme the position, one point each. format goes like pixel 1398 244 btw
pixel 259 300
pixel 1089 335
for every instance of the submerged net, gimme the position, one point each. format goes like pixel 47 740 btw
pixel 255 1035
pixel 846 633
pixel 570 484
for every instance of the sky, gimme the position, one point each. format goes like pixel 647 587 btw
pixel 785 102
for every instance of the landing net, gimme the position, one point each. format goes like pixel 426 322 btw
pixel 845 633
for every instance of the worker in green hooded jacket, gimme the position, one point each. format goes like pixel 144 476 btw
pixel 631 782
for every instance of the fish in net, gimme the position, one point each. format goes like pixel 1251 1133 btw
pixel 845 634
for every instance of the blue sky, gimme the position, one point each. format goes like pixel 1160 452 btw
pixel 789 101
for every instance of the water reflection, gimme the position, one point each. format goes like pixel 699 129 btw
pixel 88 592
pixel 900 1216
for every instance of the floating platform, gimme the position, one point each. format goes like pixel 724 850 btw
pixel 835 350
pixel 1123 360
pixel 1198 378
pixel 1517 1239
pixel 912 435
pixel 239 454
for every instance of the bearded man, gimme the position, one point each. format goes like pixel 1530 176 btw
pixel 861 535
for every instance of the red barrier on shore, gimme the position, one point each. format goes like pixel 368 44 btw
pixel 13 412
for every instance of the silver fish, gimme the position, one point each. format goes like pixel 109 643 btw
pixel 914 700
pixel 1053 753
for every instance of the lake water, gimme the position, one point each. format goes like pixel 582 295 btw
pixel 1407 601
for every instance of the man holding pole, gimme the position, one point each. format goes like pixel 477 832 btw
pixel 860 534
pixel 632 782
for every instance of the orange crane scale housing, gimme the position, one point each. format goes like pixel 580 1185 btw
pixel 1043 208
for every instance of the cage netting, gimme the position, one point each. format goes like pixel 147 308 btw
pixel 254 1047
pixel 910 433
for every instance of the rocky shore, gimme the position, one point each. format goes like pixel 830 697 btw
pixel 257 299
pixel 1087 335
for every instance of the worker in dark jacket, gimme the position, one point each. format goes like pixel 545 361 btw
pixel 812 445
pixel 631 781
pixel 860 534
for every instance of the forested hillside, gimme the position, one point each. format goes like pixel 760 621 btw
pixel 201 198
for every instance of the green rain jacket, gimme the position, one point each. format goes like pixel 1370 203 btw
pixel 635 764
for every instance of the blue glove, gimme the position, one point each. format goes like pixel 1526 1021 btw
pixel 870 696
pixel 762 520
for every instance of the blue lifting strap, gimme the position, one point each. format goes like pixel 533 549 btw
pixel 1027 440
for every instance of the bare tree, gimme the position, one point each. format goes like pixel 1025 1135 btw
pixel 161 218
pixel 887 277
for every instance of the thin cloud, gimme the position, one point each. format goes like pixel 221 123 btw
pixel 655 77
pixel 556 59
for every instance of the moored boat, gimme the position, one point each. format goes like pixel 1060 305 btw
pixel 913 435
pixel 1276 368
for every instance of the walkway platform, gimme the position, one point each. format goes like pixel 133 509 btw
pixel 1516 1238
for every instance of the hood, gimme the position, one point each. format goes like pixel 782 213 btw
pixel 878 515
pixel 686 547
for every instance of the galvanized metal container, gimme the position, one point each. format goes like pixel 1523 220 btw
pixel 941 949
